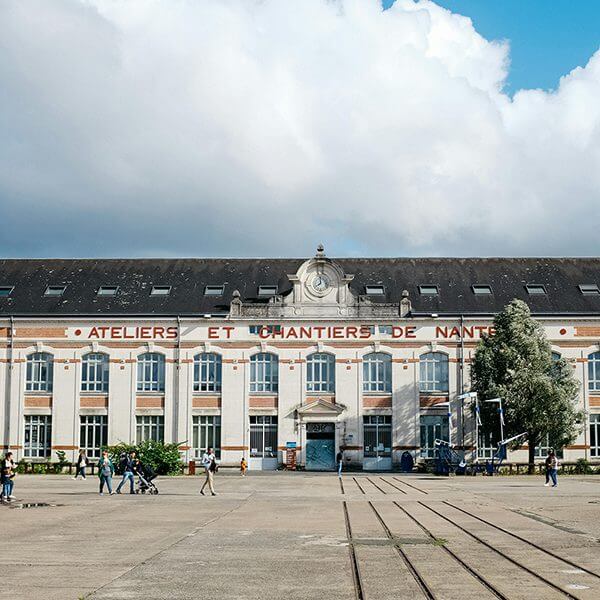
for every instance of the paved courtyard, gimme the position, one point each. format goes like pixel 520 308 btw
pixel 293 536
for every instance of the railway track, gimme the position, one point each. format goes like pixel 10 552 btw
pixel 379 488
pixel 394 486
pixel 414 487
pixel 414 571
pixel 359 592
pixel 501 553
pixel 525 540
pixel 359 486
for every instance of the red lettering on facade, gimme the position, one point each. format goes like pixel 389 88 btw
pixel 213 333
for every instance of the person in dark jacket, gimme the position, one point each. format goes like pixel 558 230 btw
pixel 339 459
pixel 81 464
pixel 129 469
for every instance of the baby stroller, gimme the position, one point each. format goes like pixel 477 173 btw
pixel 144 481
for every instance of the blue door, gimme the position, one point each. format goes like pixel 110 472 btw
pixel 320 447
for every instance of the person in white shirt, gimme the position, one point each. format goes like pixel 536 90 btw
pixel 209 462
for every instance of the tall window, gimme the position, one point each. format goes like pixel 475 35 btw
pixel 39 372
pixel 433 427
pixel 94 372
pixel 150 427
pixel 263 436
pixel 206 433
pixel 595 435
pixel 38 436
pixel 594 372
pixel 207 372
pixel 434 372
pixel 320 372
pixel 377 430
pixel 93 434
pixel 264 372
pixel 377 372
pixel 151 372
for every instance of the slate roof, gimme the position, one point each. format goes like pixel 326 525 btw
pixel 188 278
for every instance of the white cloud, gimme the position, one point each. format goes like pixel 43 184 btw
pixel 262 127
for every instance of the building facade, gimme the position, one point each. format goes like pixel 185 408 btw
pixel 256 357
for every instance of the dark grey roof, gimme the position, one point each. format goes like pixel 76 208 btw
pixel 188 277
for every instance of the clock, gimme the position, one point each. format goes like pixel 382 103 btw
pixel 320 283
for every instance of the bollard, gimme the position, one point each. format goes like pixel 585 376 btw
pixel 192 467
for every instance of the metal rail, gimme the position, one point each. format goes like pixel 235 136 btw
pixel 356 577
pixel 394 486
pixel 459 560
pixel 414 487
pixel 505 556
pixel 427 591
pixel 525 540
pixel 379 488
pixel 359 486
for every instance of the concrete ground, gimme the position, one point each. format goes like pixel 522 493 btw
pixel 303 536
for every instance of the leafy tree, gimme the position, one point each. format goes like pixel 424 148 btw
pixel 538 392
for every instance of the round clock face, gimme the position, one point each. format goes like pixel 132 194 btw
pixel 320 283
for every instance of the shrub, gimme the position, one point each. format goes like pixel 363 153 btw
pixel 583 467
pixel 163 458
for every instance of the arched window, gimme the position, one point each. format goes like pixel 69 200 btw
pixel 433 372
pixel 94 372
pixel 377 372
pixel 594 372
pixel 39 372
pixel 264 372
pixel 151 372
pixel 320 372
pixel 207 372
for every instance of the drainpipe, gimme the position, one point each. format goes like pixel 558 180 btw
pixel 461 390
pixel 176 402
pixel 8 395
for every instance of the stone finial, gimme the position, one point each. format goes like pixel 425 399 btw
pixel 405 305
pixel 235 308
pixel 320 251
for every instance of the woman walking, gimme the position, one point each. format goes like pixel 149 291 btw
pixel 8 473
pixel 105 472
pixel 82 463
pixel 553 464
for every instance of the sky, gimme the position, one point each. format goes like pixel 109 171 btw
pixel 264 127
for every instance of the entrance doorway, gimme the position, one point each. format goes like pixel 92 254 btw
pixel 320 446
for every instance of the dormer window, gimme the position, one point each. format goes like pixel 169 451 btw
pixel 267 290
pixel 428 290
pixel 589 289
pixel 536 289
pixel 481 290
pixel 214 290
pixel 55 290
pixel 6 291
pixel 374 290
pixel 160 290
pixel 108 290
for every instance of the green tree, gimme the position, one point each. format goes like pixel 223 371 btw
pixel 538 392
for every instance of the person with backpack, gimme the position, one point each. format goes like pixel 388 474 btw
pixel 209 462
pixel 81 464
pixel 7 475
pixel 106 470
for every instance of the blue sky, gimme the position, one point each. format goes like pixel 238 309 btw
pixel 548 38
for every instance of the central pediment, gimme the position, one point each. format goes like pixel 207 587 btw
pixel 320 408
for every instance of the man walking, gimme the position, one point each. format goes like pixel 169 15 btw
pixel 339 459
pixel 128 466
pixel 209 462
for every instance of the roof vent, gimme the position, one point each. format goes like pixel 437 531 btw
pixel 481 290
pixel 160 290
pixel 55 290
pixel 429 290
pixel 589 289
pixel 374 290
pixel 6 291
pixel 108 290
pixel 535 289
pixel 267 290
pixel 214 290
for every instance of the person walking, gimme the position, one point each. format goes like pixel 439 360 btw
pixel 106 470
pixel 553 468
pixel 339 459
pixel 7 475
pixel 209 462
pixel 81 464
pixel 128 466
pixel 547 467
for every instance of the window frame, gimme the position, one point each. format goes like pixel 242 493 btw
pixel 423 287
pixel 93 434
pixel 263 436
pixel 214 290
pixel 40 424
pixel 594 372
pixel 264 373
pixel 203 427
pixel 35 367
pixel 4 288
pixel 430 380
pixel 145 384
pixel 369 289
pixel 594 431
pixel 478 289
pixel 379 429
pixel 530 287
pixel 589 289
pixel 320 373
pixel 54 291
pixel 377 373
pixel 263 293
pixel 208 372
pixel 97 384
pixel 149 427
pixel 160 291
pixel 102 291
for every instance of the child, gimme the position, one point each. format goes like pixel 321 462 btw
pixel 243 467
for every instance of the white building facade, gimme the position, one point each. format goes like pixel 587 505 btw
pixel 313 361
